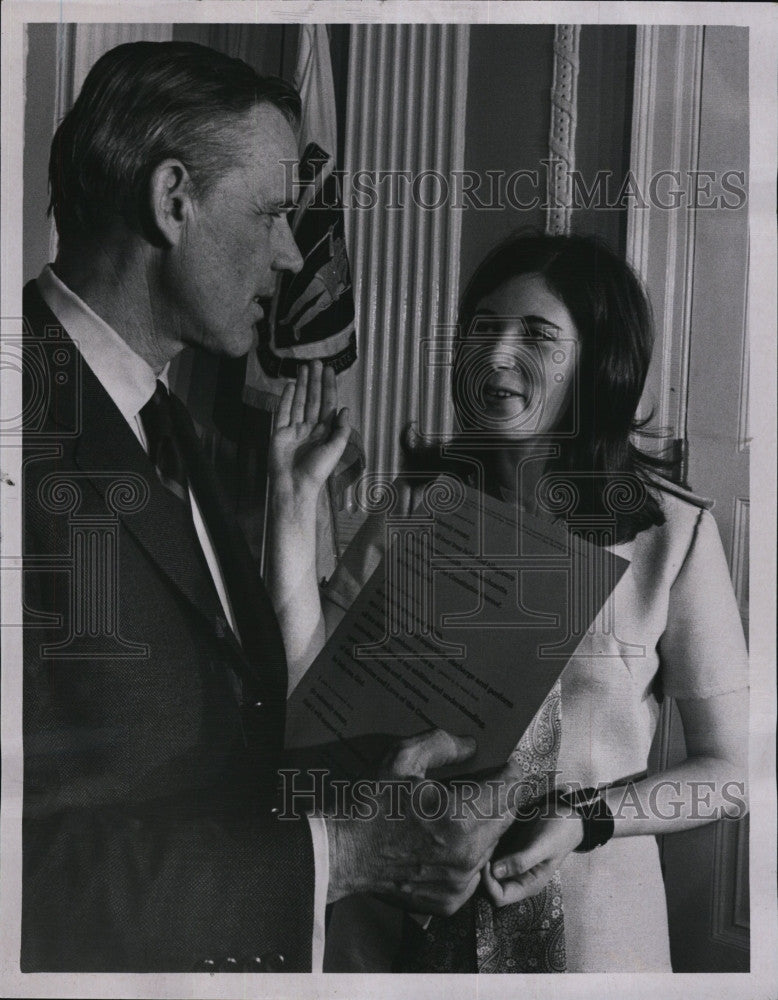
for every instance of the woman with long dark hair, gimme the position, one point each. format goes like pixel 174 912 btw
pixel 554 345
pixel 523 384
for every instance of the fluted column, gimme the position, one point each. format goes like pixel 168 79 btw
pixel 405 135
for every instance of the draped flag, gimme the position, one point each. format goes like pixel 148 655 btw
pixel 312 313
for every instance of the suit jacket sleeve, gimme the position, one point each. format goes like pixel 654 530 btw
pixel 106 892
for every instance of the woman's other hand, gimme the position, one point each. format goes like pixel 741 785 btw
pixel 513 875
pixel 309 437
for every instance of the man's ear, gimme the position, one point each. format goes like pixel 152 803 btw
pixel 170 199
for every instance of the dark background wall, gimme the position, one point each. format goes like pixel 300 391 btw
pixel 508 103
pixel 507 125
pixel 607 55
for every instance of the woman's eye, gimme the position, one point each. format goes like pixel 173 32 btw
pixel 482 325
pixel 517 327
pixel 539 331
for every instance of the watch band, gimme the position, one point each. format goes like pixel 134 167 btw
pixel 597 818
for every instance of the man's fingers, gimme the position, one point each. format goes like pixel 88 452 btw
pixel 437 899
pixel 414 756
pixel 313 396
pixel 443 876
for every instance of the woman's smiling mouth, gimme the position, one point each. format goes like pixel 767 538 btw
pixel 501 387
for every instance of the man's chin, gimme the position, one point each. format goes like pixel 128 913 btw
pixel 240 348
pixel 232 345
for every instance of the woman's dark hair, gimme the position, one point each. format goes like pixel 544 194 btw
pixel 140 104
pixel 613 318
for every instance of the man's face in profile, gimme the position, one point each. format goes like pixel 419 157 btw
pixel 237 238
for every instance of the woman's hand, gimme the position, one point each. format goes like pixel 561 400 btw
pixel 518 874
pixel 309 436
pixel 308 440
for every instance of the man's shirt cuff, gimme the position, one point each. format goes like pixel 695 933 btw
pixel 321 866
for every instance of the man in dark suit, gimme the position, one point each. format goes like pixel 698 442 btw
pixel 155 667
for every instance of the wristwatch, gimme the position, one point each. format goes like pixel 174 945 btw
pixel 597 818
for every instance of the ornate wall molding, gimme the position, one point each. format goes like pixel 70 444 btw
pixel 561 138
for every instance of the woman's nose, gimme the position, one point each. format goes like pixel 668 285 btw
pixel 506 350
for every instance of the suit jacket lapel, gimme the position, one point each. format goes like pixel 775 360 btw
pixel 107 452
pixel 105 449
pixel 251 605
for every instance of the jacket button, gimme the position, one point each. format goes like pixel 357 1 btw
pixel 274 962
pixel 229 965
pixel 258 704
pixel 254 964
pixel 205 965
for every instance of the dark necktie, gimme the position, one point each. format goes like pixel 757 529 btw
pixel 175 451
pixel 164 447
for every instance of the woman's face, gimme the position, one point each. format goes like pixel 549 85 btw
pixel 517 366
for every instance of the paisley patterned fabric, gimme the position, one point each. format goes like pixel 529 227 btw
pixel 528 936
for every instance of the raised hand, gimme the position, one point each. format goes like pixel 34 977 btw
pixel 309 436
pixel 308 440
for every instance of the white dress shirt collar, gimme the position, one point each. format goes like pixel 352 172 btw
pixel 126 377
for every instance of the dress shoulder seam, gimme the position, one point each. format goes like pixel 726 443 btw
pixel 665 486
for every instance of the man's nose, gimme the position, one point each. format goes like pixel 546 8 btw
pixel 287 256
